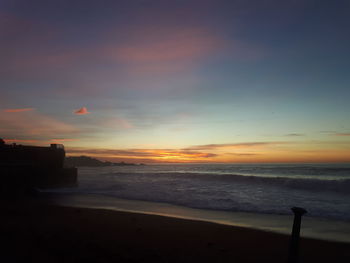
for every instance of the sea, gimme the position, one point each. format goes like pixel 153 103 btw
pixel 258 196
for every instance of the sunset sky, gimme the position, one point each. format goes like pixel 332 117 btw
pixel 178 80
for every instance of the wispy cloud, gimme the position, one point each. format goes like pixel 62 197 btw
pixel 329 132
pixel 169 48
pixel 232 145
pixel 336 133
pixel 13 25
pixel 342 134
pixel 119 123
pixel 163 155
pixel 32 124
pixel 227 153
pixel 242 154
pixel 63 140
pixel 294 134
pixel 199 153
pixel 181 44
pixel 81 111
pixel 19 110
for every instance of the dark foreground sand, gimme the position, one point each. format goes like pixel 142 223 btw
pixel 38 232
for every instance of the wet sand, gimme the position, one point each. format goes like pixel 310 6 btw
pixel 34 231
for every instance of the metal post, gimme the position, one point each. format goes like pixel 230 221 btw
pixel 294 239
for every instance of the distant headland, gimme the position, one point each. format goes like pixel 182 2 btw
pixel 76 161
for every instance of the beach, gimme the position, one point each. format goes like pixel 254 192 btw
pixel 257 196
pixel 37 231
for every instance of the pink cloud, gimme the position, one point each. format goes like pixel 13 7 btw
pixel 81 111
pixel 19 110
pixel 16 30
pixel 118 123
pixel 124 123
pixel 142 56
pixel 159 50
pixel 13 25
pixel 33 124
pixel 181 44
pixel 144 50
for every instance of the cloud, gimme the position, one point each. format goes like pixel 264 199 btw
pixel 19 110
pixel 33 125
pixel 167 155
pixel 81 111
pixel 232 145
pixel 242 154
pixel 180 44
pixel 63 140
pixel 342 134
pixel 294 134
pixel 144 51
pixel 12 25
pixel 158 50
pixel 199 153
pixel 216 155
pixel 138 57
pixel 327 132
pixel 120 123
pixel 336 133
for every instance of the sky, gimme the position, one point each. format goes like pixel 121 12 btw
pixel 178 81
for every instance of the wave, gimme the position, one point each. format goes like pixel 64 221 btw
pixel 229 192
pixel 339 185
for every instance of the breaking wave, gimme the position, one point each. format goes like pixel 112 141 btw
pixel 339 185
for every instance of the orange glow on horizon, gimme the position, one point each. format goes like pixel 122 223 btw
pixel 173 156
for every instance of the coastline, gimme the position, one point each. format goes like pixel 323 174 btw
pixel 37 231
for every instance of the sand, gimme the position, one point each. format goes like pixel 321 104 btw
pixel 35 231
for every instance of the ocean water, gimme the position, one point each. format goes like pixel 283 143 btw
pixel 265 190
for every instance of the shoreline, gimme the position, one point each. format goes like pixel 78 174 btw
pixel 37 231
pixel 316 228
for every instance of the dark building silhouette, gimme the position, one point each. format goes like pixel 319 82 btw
pixel 35 156
pixel 23 168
